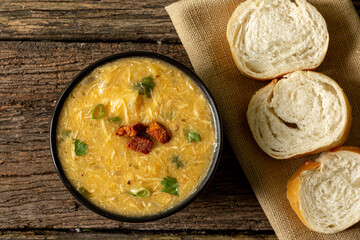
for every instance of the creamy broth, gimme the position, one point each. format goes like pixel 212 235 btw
pixel 109 170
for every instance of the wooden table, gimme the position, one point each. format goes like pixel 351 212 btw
pixel 43 45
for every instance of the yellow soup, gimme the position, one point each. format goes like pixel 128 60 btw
pixel 99 164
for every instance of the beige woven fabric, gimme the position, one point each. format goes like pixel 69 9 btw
pixel 201 25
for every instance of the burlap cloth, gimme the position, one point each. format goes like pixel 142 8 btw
pixel 201 25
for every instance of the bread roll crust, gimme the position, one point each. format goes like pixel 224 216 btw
pixel 303 113
pixel 264 53
pixel 295 183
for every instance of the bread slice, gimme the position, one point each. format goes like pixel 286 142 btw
pixel 269 38
pixel 325 194
pixel 304 112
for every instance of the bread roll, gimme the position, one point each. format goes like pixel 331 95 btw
pixel 325 194
pixel 304 112
pixel 269 38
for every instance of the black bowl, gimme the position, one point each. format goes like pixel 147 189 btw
pixel 84 73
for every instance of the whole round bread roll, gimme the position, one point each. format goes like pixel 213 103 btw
pixel 269 38
pixel 304 112
pixel 325 194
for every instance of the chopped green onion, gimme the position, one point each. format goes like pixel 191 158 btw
pixel 170 185
pixel 85 193
pixel 170 115
pixel 140 192
pixel 66 133
pixel 115 119
pixel 101 109
pixel 80 147
pixel 176 160
pixel 193 136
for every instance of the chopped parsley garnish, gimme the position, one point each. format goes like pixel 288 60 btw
pixel 115 119
pixel 99 113
pixel 193 136
pixel 146 86
pixel 80 147
pixel 85 193
pixel 170 185
pixel 177 161
pixel 140 192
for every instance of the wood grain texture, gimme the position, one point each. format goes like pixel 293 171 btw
pixel 33 75
pixel 86 20
pixel 145 235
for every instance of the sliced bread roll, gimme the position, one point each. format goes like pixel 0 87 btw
pixel 269 38
pixel 325 194
pixel 304 112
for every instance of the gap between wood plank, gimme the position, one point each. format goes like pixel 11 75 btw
pixel 91 40
pixel 116 234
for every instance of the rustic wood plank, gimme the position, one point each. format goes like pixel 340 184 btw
pixel 99 20
pixel 33 75
pixel 84 20
pixel 47 234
